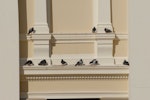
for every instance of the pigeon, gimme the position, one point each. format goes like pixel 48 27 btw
pixel 94 30
pixel 94 62
pixel 125 62
pixel 79 63
pixel 63 62
pixel 29 63
pixel 31 30
pixel 43 62
pixel 107 30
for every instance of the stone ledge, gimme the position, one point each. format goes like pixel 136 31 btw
pixel 44 70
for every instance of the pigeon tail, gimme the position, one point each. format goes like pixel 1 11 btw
pixel 107 30
pixel 29 63
pixel 43 62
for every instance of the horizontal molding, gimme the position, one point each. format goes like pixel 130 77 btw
pixel 74 77
pixel 80 37
pixel 68 70
pixel 69 36
pixel 76 94
pixel 121 36
pixel 72 37
pixel 40 37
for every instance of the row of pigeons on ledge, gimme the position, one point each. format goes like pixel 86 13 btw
pixel 64 63
pixel 94 30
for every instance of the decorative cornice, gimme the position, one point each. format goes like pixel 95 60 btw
pixel 74 77
pixel 60 70
pixel 77 94
pixel 74 73
pixel 69 36
pixel 81 37
pixel 72 37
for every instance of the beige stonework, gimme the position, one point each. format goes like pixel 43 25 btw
pixel 121 48
pixel 74 16
pixel 76 48
pixel 78 85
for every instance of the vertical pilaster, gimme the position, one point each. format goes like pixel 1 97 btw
pixel 102 15
pixel 40 22
pixel 105 51
pixel 102 20
pixel 42 36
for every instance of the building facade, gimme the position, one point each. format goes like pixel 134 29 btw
pixel 63 30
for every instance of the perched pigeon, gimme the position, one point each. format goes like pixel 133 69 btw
pixel 31 30
pixel 94 30
pixel 43 62
pixel 125 62
pixel 107 30
pixel 29 63
pixel 79 63
pixel 94 62
pixel 63 62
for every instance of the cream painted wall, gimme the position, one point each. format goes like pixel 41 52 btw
pixel 69 20
pixel 84 48
pixel 62 14
pixel 119 16
pixel 120 48
pixel 30 13
pixel 78 85
pixel 73 16
pixel 81 13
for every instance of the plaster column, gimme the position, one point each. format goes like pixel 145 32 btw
pixel 105 48
pixel 40 22
pixel 42 36
pixel 102 20
pixel 102 15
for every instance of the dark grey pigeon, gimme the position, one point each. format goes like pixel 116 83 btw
pixel 63 62
pixel 29 63
pixel 125 62
pixel 94 62
pixel 94 29
pixel 107 30
pixel 31 30
pixel 43 63
pixel 79 63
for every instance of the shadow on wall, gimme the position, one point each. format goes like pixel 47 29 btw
pixel 23 27
pixel 50 15
pixel 115 42
pixel 22 16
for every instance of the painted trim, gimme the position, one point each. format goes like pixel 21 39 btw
pixel 80 37
pixel 75 36
pixel 73 77
pixel 59 70
pixel 77 94
pixel 121 37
